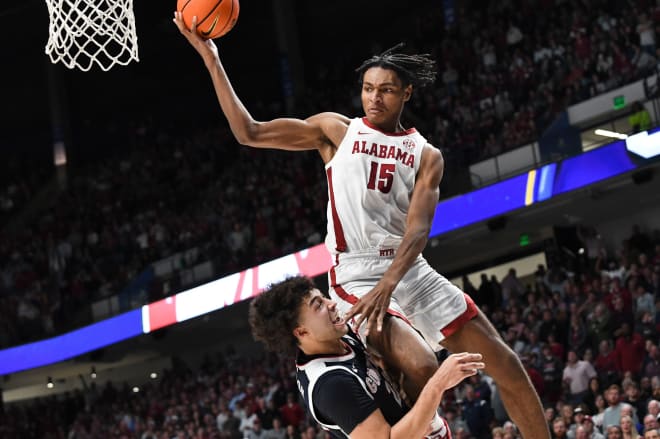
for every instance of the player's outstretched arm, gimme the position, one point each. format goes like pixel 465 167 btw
pixel 286 133
pixel 372 307
pixel 415 423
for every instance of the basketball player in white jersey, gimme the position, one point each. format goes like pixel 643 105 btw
pixel 345 390
pixel 383 184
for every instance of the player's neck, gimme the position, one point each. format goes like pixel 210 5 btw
pixel 334 347
pixel 393 126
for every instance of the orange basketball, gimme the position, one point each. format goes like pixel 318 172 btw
pixel 214 17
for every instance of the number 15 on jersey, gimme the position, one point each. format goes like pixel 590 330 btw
pixel 381 176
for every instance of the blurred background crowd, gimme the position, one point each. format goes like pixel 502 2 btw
pixel 588 337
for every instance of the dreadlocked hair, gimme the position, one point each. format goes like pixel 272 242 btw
pixel 274 313
pixel 418 70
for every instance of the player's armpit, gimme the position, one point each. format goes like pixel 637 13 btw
pixel 374 427
pixel 334 127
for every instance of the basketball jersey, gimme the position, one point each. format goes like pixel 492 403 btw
pixel 370 182
pixel 356 363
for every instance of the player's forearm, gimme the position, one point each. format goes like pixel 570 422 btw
pixel 240 120
pixel 412 244
pixel 416 422
pixel 420 215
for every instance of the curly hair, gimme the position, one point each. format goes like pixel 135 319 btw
pixel 274 313
pixel 418 70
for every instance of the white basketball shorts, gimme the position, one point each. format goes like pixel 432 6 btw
pixel 424 298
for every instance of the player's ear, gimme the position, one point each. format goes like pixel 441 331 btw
pixel 407 92
pixel 299 332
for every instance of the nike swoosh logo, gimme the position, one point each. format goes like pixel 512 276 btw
pixel 360 133
pixel 213 25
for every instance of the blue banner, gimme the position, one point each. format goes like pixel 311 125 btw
pixel 71 344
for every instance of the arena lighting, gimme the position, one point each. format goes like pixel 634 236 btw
pixel 644 144
pixel 136 389
pixel 612 134
pixel 49 383
pixel 153 375
pixel 477 206
pixel 93 373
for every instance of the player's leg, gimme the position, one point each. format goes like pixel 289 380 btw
pixel 403 349
pixel 502 364
pixel 400 346
pixel 439 309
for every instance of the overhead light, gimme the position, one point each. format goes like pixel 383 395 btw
pixel 644 144
pixel 93 373
pixel 612 134
pixel 136 389
pixel 49 383
pixel 153 375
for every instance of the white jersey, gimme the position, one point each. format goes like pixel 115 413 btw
pixel 370 183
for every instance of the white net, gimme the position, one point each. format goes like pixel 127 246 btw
pixel 84 32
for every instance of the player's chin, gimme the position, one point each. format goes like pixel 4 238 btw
pixel 342 328
pixel 376 116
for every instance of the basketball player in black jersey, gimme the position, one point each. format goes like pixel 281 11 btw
pixel 343 388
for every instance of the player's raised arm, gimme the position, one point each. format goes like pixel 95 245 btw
pixel 285 133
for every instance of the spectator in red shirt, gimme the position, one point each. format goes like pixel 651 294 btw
pixel 556 347
pixel 534 375
pixel 629 350
pixel 292 413
pixel 617 291
pixel 606 363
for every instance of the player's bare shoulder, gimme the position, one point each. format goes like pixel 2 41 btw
pixel 432 156
pixel 334 127
pixel 432 165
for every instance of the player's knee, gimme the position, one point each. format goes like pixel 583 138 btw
pixel 507 369
pixel 422 366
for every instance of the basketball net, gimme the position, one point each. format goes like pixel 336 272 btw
pixel 84 32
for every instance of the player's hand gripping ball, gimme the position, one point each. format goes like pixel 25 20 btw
pixel 214 17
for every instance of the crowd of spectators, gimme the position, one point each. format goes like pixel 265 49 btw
pixel 586 331
pixel 505 72
pixel 226 397
pixel 236 206
pixel 20 181
pixel 509 68
pixel 588 338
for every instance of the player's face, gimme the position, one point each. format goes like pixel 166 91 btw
pixel 319 319
pixel 383 96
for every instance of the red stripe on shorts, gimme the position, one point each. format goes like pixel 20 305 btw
pixel 339 230
pixel 352 299
pixel 470 313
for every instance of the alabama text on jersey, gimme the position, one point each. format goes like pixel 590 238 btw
pixel 370 182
